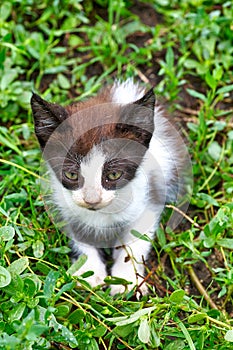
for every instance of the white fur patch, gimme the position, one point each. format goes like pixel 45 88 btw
pixel 93 263
pixel 126 92
pixel 92 193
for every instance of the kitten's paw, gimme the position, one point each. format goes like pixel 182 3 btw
pixel 141 290
pixel 120 289
pixel 117 289
pixel 127 272
pixel 95 280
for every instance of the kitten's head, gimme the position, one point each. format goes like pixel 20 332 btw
pixel 94 148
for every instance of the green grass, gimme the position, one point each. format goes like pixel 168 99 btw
pixel 66 50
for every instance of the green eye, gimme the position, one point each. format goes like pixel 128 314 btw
pixel 114 175
pixel 71 176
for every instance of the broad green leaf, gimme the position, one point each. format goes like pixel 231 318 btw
pixel 50 283
pixel 54 70
pixel 209 242
pixel 77 264
pixel 61 250
pixel 17 312
pixel 124 320
pixel 66 287
pixel 215 150
pixel 43 267
pixel 69 337
pixel 7 233
pixel 87 274
pixel 17 197
pixel 210 80
pixel 10 341
pixel 32 285
pixel 124 331
pixel 161 237
pixel 207 199
pixel 186 334
pixel 193 127
pixel 197 94
pixel 175 345
pixel 63 309
pixel 16 286
pixel 116 280
pixel 76 316
pixel 197 317
pixel 144 331
pixel 225 89
pixel 217 73
pixel 3 212
pixel 38 248
pixel 190 63
pixel 18 266
pixel 5 10
pixel 5 277
pixel 230 135
pixel 92 344
pixel 170 58
pixel 63 81
pixel 99 331
pixel 140 235
pixel 35 331
pixel 11 145
pixel 209 45
pixel 225 243
pixel 8 77
pixel 154 336
pixel 177 296
pixel 219 125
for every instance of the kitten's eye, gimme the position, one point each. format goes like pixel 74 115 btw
pixel 71 176
pixel 114 175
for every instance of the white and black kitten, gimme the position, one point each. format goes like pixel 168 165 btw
pixel 114 161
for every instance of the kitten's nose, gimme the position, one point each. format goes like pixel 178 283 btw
pixel 92 203
pixel 92 198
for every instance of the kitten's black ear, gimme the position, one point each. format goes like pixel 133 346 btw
pixel 148 100
pixel 47 117
pixel 138 118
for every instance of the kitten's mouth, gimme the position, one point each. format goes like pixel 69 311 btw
pixel 92 208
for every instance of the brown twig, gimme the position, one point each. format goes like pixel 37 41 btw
pixel 142 76
pixel 200 287
pixel 189 111
pixel 184 215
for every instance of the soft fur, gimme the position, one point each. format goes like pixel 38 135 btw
pixel 121 130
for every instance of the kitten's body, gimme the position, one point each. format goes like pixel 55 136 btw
pixel 120 133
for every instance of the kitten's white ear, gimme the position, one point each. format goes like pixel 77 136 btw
pixel 47 117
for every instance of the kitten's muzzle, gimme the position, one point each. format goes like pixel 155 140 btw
pixel 93 205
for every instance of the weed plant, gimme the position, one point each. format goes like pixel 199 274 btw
pixel 66 50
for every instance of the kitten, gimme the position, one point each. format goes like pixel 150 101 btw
pixel 114 161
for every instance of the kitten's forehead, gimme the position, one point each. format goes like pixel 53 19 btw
pixel 92 163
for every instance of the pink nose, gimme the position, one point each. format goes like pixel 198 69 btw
pixel 92 197
pixel 92 200
pixel 92 203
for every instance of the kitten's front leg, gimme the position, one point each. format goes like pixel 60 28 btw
pixel 129 259
pixel 129 265
pixel 93 263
